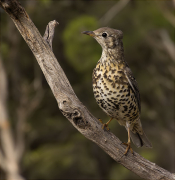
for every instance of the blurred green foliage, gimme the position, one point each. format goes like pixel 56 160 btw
pixel 81 56
pixel 53 147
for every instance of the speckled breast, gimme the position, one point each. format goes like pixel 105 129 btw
pixel 114 94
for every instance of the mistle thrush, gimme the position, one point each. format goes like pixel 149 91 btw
pixel 115 88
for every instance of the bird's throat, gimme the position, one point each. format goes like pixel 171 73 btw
pixel 115 55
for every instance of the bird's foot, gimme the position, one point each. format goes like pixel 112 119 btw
pixel 100 120
pixel 104 125
pixel 128 144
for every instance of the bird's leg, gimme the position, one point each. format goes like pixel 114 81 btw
pixel 106 124
pixel 128 144
pixel 100 120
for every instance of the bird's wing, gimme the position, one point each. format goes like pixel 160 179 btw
pixel 133 83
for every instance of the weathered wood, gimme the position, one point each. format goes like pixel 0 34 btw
pixel 49 32
pixel 70 105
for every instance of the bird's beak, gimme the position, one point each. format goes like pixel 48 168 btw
pixel 90 33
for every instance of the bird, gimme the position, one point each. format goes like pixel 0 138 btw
pixel 115 88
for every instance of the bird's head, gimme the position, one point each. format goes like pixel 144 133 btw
pixel 107 37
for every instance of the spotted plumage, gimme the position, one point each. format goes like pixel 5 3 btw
pixel 114 86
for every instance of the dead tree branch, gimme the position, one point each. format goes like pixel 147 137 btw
pixel 70 105
pixel 113 11
pixel 168 43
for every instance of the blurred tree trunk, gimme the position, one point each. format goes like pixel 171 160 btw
pixel 8 156
pixel 113 11
pixel 12 140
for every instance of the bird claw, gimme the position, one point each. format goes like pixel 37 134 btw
pixel 104 125
pixel 100 120
pixel 128 144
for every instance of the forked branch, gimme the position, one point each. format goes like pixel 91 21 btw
pixel 68 102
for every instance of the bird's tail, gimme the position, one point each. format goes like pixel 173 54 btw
pixel 140 140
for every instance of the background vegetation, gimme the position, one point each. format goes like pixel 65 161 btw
pixel 51 148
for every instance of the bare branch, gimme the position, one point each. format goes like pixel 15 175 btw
pixel 70 105
pixel 167 14
pixel 49 33
pixel 27 106
pixel 113 11
pixel 168 43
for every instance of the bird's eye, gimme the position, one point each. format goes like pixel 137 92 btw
pixel 104 35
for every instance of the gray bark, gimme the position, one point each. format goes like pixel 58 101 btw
pixel 70 105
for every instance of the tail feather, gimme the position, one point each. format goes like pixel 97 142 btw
pixel 140 140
